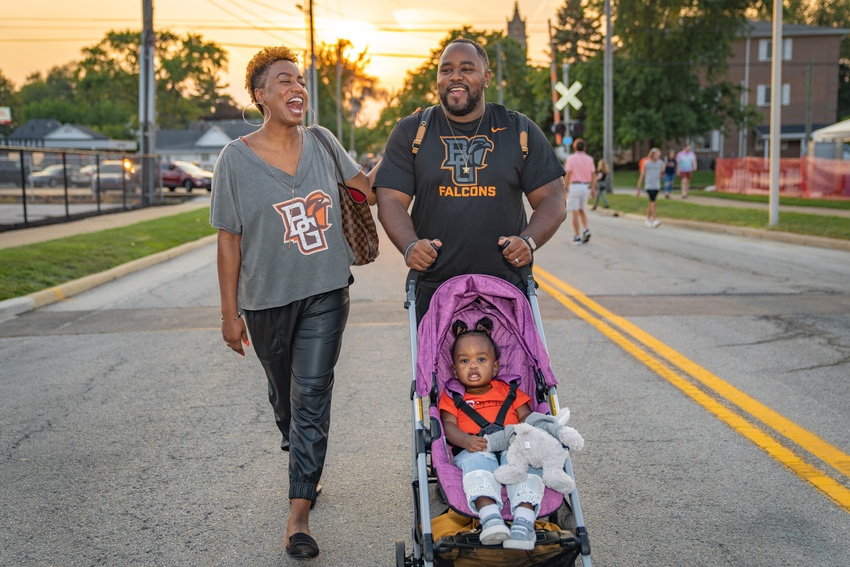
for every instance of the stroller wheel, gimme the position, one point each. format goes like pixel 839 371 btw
pixel 399 553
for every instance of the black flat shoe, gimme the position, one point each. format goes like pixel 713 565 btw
pixel 302 546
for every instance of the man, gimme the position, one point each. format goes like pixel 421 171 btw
pixel 686 164
pixel 580 182
pixel 468 178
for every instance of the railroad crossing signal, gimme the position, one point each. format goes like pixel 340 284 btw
pixel 568 95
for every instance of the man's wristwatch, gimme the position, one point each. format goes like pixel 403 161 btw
pixel 530 242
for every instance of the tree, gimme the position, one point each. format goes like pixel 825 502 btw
pixel 356 88
pixel 187 73
pixel 578 36
pixel 670 68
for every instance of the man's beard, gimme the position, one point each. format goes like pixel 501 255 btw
pixel 472 100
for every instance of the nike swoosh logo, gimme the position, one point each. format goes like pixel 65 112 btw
pixel 494 130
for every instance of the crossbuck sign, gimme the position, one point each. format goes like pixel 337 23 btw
pixel 568 95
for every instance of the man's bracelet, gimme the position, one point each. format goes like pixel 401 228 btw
pixel 408 249
pixel 238 316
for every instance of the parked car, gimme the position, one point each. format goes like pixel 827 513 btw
pixel 110 176
pixel 185 174
pixel 53 175
pixel 82 177
pixel 10 171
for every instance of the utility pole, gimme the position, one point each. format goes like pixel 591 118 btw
pixel 339 89
pixel 147 106
pixel 499 72
pixel 775 112
pixel 314 81
pixel 608 100
pixel 552 78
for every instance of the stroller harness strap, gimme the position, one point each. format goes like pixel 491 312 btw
pixel 486 426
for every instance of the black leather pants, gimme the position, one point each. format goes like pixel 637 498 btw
pixel 298 345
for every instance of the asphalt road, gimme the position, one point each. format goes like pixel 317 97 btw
pixel 132 436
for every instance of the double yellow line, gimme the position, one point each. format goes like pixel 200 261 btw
pixel 672 365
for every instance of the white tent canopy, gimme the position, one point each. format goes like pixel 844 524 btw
pixel 839 131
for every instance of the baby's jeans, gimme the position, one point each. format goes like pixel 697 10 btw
pixel 478 481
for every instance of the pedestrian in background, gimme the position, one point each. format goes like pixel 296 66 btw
pixel 602 172
pixel 650 175
pixel 580 182
pixel 669 172
pixel 686 165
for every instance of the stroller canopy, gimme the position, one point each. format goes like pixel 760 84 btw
pixel 468 298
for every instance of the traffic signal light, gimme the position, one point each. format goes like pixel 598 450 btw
pixel 577 129
pixel 559 128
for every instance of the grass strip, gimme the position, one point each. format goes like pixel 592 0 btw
pixel 33 267
pixel 798 223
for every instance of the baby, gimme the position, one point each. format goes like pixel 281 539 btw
pixel 488 405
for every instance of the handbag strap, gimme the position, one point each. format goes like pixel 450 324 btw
pixel 321 137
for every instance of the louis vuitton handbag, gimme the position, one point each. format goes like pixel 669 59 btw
pixel 358 226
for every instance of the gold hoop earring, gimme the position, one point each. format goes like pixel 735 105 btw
pixel 246 120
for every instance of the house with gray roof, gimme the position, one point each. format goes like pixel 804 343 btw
pixel 52 134
pixel 201 142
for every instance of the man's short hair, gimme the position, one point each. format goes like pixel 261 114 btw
pixel 580 145
pixel 481 53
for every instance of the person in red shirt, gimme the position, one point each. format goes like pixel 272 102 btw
pixel 475 358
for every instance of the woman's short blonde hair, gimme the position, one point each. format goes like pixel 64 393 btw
pixel 258 67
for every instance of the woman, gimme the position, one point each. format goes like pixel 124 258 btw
pixel 284 268
pixel 602 172
pixel 651 173
pixel 669 173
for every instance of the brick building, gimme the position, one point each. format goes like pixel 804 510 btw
pixel 810 59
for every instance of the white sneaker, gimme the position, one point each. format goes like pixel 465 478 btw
pixel 655 223
pixel 493 530
pixel 522 535
pixel 648 223
pixel 577 241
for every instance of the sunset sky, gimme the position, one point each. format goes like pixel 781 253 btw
pixel 36 35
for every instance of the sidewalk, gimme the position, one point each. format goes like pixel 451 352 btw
pixel 20 237
pixel 17 305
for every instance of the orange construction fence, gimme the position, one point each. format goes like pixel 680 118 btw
pixel 814 178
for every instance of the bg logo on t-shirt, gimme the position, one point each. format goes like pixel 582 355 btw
pixel 306 221
pixel 465 156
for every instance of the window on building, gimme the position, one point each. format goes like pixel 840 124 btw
pixel 763 95
pixel 710 142
pixel 766 48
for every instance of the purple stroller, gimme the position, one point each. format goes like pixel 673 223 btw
pixel 518 332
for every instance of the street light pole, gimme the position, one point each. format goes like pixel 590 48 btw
pixel 775 113
pixel 608 100
pixel 314 86
pixel 147 104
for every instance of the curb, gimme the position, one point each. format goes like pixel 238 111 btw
pixel 10 308
pixel 764 234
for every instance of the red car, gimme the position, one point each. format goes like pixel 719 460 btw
pixel 185 174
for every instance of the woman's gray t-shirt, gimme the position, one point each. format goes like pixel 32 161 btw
pixel 292 242
pixel 652 174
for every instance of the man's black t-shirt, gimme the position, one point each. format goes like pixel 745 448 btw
pixel 467 181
